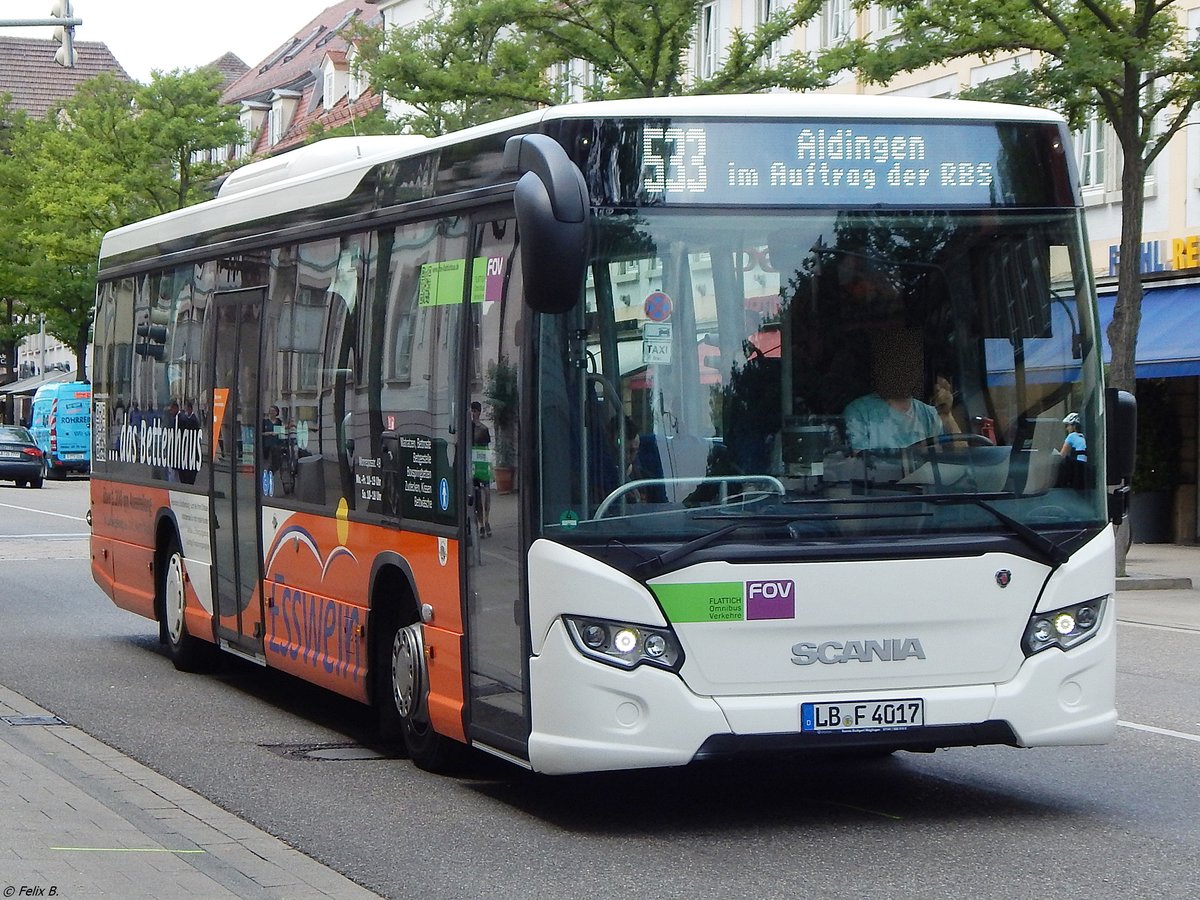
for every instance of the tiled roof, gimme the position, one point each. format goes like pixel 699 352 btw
pixel 36 82
pixel 341 114
pixel 231 68
pixel 294 59
pixel 296 66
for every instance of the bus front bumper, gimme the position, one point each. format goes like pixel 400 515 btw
pixel 588 716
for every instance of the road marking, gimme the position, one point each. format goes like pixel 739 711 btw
pixel 43 512
pixel 126 850
pixel 1182 629
pixel 46 537
pixel 1163 731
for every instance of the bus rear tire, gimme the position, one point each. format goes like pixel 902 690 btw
pixel 402 692
pixel 188 653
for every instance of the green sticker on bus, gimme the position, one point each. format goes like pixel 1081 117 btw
pixel 442 283
pixel 722 601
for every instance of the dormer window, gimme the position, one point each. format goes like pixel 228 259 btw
pixel 336 79
pixel 283 107
pixel 251 119
pixel 357 85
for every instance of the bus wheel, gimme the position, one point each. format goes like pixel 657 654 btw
pixel 189 654
pixel 404 699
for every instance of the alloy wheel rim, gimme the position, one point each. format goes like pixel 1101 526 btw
pixel 173 589
pixel 406 671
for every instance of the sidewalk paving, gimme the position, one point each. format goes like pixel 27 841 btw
pixel 1162 586
pixel 1162 567
pixel 82 820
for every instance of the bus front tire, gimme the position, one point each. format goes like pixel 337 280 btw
pixel 188 653
pixel 403 699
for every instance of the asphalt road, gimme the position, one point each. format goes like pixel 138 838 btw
pixel 1114 821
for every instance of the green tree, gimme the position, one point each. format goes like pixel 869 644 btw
pixel 1127 62
pixel 14 255
pixel 112 154
pixel 474 61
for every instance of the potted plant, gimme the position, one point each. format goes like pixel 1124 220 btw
pixel 500 390
pixel 1156 474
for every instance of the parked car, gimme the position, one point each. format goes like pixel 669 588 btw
pixel 21 460
pixel 61 424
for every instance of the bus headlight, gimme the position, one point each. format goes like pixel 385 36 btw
pixel 624 644
pixel 1063 628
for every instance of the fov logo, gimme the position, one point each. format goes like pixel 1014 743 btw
pixel 770 600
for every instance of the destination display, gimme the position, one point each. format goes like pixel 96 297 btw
pixel 843 163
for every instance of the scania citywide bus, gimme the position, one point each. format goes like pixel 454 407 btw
pixel 774 391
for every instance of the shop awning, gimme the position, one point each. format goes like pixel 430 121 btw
pixel 29 385
pixel 1168 344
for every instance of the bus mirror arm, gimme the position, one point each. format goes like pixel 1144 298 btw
pixel 1120 425
pixel 553 212
pixel 1120 416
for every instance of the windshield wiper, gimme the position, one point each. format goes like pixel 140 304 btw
pixel 1053 553
pixel 649 567
pixel 653 565
pixel 1050 551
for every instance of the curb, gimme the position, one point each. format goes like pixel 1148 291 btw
pixel 1153 583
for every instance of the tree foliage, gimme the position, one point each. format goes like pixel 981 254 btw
pixel 1128 62
pixel 112 154
pixel 14 255
pixel 474 61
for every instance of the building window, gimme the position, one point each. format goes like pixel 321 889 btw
pixel 887 17
pixel 707 45
pixel 357 79
pixel 1092 141
pixel 837 20
pixel 275 126
pixel 765 10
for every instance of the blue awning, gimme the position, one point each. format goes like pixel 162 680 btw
pixel 1168 344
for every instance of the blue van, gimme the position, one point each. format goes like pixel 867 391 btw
pixel 60 421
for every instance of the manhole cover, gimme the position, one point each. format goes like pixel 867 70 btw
pixel 339 752
pixel 33 720
pixel 345 753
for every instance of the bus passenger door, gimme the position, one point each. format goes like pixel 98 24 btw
pixel 235 522
pixel 497 621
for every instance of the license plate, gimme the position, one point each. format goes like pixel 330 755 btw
pixel 862 715
pixel 72 456
pixel 9 454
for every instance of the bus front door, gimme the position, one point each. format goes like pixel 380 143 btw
pixel 497 621
pixel 235 531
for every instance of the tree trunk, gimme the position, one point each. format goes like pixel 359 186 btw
pixel 1127 313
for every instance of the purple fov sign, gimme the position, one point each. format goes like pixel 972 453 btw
pixel 770 600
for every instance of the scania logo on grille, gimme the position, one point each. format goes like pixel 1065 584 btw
pixel 830 652
pixel 1004 578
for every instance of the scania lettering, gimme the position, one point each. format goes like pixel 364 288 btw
pixel 770 393
pixel 831 652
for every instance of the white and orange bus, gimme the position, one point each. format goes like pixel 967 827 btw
pixel 773 453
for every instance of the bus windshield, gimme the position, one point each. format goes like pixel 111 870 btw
pixel 823 374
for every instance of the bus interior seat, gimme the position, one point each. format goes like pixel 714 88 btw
pixel 1043 459
pixel 683 456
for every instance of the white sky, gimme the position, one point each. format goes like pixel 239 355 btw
pixel 168 34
